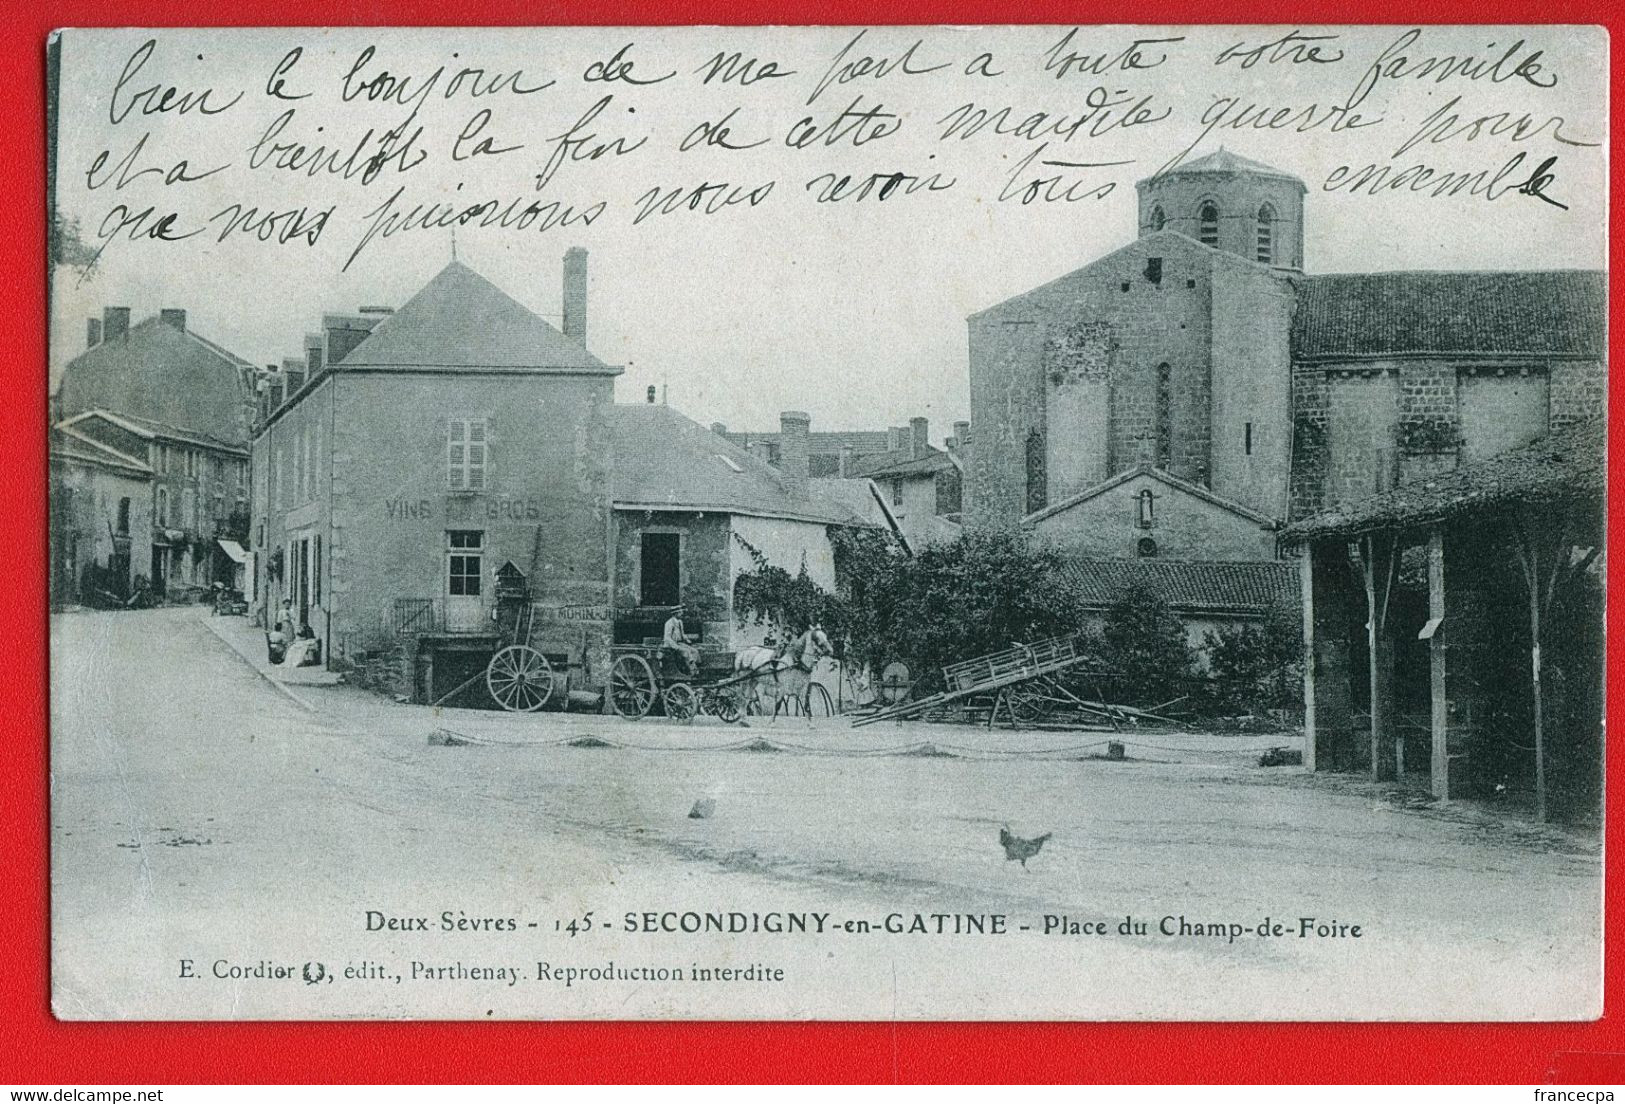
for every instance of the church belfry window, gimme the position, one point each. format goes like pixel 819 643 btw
pixel 1207 223
pixel 1037 479
pixel 1158 219
pixel 1266 234
pixel 1164 415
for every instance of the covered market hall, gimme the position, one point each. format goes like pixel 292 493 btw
pixel 1454 628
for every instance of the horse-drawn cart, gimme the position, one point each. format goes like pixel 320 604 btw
pixel 642 674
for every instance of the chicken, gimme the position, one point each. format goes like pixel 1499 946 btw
pixel 1018 849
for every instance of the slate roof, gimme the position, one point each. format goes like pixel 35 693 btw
pixel 1188 587
pixel 1564 467
pixel 1379 314
pixel 462 320
pixel 157 370
pixel 151 428
pixel 665 461
pixel 1222 160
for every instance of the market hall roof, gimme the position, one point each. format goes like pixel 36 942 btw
pixel 1567 466
pixel 462 320
pixel 1187 586
pixel 665 461
pixel 1356 316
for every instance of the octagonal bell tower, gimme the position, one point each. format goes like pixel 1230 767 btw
pixel 1231 203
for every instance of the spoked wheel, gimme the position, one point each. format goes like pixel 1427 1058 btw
pixel 894 683
pixel 816 702
pixel 632 689
pixel 1027 705
pixel 520 678
pixel 680 701
pixel 721 703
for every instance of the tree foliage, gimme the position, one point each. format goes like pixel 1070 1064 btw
pixel 1145 646
pixel 1258 666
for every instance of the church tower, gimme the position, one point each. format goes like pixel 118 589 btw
pixel 1231 203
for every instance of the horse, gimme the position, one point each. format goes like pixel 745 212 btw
pixel 790 668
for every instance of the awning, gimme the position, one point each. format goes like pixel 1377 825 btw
pixel 233 549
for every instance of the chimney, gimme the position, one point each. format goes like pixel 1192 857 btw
pixel 115 323
pixel 93 333
pixel 919 437
pixel 760 450
pixel 651 394
pixel 961 435
pixel 575 293
pixel 315 347
pixel 173 316
pixel 894 438
pixel 719 429
pixel 846 462
pixel 293 375
pixel 793 460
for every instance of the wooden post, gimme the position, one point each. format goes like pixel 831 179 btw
pixel 1439 720
pixel 1376 569
pixel 1306 580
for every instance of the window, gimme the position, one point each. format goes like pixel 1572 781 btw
pixel 299 445
pixel 659 576
pixel 1037 477
pixel 316 572
pixel 163 457
pixel 1146 547
pixel 1266 234
pixel 1207 223
pixel 1158 219
pixel 1148 508
pixel 278 479
pixel 1247 439
pixel 315 459
pixel 124 517
pixel 1153 269
pixel 466 454
pixel 464 562
pixel 162 509
pixel 896 492
pixel 1164 419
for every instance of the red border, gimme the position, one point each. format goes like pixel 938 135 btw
pixel 40 1050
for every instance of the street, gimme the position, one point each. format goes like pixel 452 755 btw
pixel 210 832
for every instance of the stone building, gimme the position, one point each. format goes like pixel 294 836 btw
pixel 1242 391
pixel 101 502
pixel 195 515
pixel 161 370
pixel 414 459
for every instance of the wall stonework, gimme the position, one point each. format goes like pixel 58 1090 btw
pixel 1579 392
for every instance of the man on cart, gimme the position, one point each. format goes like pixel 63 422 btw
pixel 677 645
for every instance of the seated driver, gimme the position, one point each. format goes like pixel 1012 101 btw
pixel 675 642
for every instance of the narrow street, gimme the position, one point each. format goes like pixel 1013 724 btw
pixel 201 816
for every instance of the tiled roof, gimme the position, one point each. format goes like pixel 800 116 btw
pixel 70 446
pixel 664 461
pixel 1560 313
pixel 1223 161
pixel 149 427
pixel 861 441
pixel 462 320
pixel 1190 587
pixel 891 465
pixel 1561 467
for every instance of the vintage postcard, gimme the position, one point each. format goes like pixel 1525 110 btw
pixel 1043 522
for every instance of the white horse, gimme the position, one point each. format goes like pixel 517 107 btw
pixel 790 669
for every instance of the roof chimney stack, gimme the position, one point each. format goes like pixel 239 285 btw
pixel 846 462
pixel 173 316
pixel 651 394
pixel 794 430
pixel 575 293
pixel 115 323
pixel 93 333
pixel 919 437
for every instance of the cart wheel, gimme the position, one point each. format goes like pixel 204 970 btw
pixel 894 683
pixel 724 705
pixel 1026 704
pixel 520 678
pixel 816 702
pixel 680 702
pixel 631 687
